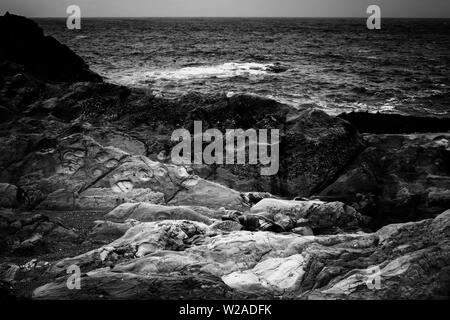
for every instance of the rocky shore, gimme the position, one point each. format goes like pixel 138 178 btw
pixel 86 180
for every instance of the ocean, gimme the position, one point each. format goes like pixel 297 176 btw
pixel 336 65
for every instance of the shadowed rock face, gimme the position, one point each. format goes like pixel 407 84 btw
pixel 81 174
pixel 24 43
pixel 395 123
pixel 397 178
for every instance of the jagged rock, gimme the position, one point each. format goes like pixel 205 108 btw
pixel 398 178
pixel 138 241
pixel 24 43
pixel 322 217
pixel 317 147
pixel 411 261
pixel 405 270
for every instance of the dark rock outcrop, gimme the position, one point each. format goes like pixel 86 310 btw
pixel 23 42
pixel 383 123
pixel 398 178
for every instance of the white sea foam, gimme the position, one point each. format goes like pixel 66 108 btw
pixel 225 70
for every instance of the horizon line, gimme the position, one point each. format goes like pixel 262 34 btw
pixel 233 17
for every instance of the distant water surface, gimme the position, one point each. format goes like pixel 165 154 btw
pixel 337 64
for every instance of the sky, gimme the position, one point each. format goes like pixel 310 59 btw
pixel 228 8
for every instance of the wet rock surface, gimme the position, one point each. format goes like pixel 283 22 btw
pixel 86 180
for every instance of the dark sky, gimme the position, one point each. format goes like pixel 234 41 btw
pixel 228 8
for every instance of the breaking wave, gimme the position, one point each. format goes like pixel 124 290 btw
pixel 136 77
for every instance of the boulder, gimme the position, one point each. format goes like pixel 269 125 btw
pixel 146 212
pixel 322 217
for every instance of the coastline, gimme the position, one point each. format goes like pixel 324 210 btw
pixel 73 143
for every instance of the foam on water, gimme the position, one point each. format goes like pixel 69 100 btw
pixel 139 77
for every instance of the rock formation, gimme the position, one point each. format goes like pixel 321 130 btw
pixel 264 264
